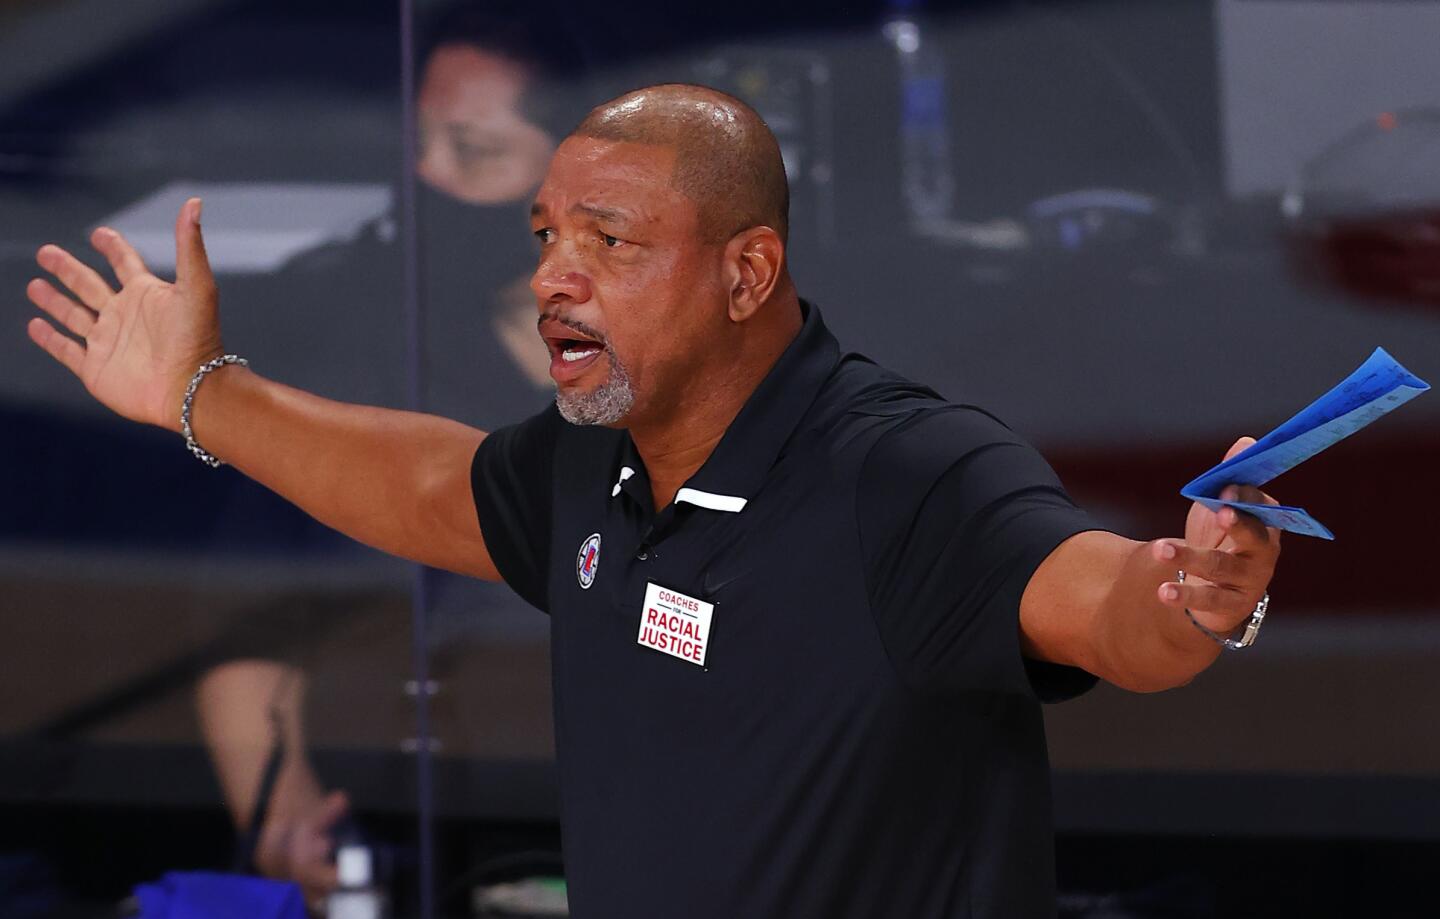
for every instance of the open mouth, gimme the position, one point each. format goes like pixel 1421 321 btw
pixel 577 349
pixel 571 350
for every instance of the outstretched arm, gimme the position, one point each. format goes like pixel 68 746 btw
pixel 398 481
pixel 1114 607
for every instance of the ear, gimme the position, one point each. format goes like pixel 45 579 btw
pixel 754 265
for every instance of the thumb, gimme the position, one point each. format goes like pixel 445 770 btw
pixel 1240 446
pixel 192 265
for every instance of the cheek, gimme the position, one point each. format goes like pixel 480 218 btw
pixel 522 166
pixel 661 313
pixel 510 175
pixel 661 344
pixel 494 180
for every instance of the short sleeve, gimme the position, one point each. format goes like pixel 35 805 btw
pixel 955 514
pixel 513 482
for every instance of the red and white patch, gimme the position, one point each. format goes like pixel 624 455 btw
pixel 674 624
pixel 587 563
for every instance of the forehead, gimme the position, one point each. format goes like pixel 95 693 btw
pixel 467 84
pixel 619 175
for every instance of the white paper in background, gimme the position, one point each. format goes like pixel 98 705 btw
pixel 251 227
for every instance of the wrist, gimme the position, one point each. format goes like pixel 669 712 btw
pixel 1230 635
pixel 208 379
pixel 173 403
pixel 1213 623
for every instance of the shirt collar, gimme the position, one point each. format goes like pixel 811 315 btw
pixel 752 443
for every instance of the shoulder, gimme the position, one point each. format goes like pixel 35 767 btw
pixel 907 423
pixel 933 438
pixel 860 388
pixel 889 426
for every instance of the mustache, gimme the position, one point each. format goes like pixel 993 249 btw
pixel 575 324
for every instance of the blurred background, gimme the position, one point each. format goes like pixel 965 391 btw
pixel 1134 230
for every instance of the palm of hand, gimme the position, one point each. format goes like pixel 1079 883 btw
pixel 1228 557
pixel 1203 529
pixel 142 342
pixel 133 355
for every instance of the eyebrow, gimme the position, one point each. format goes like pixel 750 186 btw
pixel 592 210
pixel 600 213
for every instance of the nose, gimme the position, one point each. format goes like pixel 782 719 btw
pixel 557 278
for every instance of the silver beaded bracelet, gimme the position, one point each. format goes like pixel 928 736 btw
pixel 191 443
pixel 1252 625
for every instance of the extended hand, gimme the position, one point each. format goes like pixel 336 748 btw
pixel 143 343
pixel 1228 559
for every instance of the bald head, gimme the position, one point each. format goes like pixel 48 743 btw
pixel 727 161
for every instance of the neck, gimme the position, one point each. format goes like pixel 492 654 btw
pixel 675 446
pixel 671 461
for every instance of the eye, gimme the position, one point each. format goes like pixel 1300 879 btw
pixel 611 241
pixel 544 234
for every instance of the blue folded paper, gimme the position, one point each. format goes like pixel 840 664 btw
pixel 1378 386
pixel 210 895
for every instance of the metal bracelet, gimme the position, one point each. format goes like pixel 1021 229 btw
pixel 191 444
pixel 1251 625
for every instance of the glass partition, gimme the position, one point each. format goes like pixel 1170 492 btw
pixel 195 675
pixel 1133 231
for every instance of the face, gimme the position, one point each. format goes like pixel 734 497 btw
pixel 631 297
pixel 475 144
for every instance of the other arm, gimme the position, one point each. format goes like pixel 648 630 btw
pixel 1112 605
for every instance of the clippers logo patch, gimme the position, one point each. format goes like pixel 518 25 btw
pixel 675 624
pixel 588 561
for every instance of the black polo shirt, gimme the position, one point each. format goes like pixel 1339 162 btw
pixel 798 690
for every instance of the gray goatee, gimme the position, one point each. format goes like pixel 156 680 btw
pixel 607 403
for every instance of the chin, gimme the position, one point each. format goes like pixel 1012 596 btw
pixel 605 406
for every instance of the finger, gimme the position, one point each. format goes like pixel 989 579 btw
pixel 65 350
pixel 1247 532
pixel 123 259
pixel 1214 565
pixel 61 308
pixel 1239 446
pixel 1249 494
pixel 332 810
pixel 1206 598
pixel 192 265
pixel 317 880
pixel 85 281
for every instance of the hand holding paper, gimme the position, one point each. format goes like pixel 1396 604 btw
pixel 1377 387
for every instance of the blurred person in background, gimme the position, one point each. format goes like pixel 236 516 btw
pixel 488 123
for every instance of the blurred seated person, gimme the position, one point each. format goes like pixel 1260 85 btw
pixel 487 128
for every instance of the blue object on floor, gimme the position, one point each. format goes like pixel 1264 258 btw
pixel 211 895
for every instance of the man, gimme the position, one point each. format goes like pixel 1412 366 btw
pixel 811 608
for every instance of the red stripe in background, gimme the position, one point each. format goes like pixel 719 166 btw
pixel 1379 493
